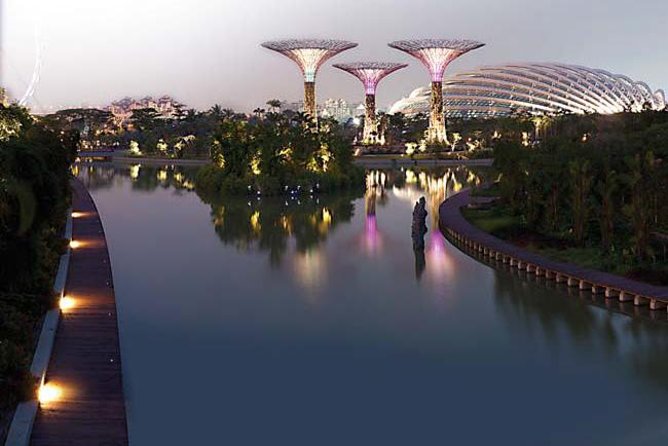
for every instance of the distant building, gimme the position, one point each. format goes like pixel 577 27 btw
pixel 297 106
pixel 166 106
pixel 337 109
pixel 537 89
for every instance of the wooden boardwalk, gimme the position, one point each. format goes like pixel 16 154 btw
pixel 456 227
pixel 85 365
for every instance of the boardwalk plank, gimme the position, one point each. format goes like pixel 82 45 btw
pixel 86 361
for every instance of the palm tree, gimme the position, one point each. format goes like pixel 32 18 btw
pixel 216 112
pixel 274 105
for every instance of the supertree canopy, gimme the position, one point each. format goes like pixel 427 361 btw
pixel 436 55
pixel 309 55
pixel 370 73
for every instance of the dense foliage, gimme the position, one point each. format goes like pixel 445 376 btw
pixel 34 197
pixel 594 182
pixel 279 153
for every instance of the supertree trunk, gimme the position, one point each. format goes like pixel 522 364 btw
pixel 310 107
pixel 437 133
pixel 370 124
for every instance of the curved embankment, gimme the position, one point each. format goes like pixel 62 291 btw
pixel 378 162
pixel 81 402
pixel 472 239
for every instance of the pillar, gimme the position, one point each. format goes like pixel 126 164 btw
pixel 437 134
pixel 370 125
pixel 310 107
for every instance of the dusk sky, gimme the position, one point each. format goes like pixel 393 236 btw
pixel 208 51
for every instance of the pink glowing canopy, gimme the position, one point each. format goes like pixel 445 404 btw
pixel 370 73
pixel 436 54
pixel 309 54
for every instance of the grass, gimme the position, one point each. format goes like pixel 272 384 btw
pixel 496 221
pixel 491 191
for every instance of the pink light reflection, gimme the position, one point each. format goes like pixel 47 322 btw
pixel 372 241
pixel 440 265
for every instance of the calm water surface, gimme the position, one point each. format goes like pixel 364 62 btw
pixel 314 322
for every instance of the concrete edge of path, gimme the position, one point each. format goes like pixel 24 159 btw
pixel 382 163
pixel 20 429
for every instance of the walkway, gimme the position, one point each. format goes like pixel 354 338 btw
pixel 85 368
pixel 455 226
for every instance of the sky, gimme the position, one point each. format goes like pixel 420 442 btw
pixel 206 52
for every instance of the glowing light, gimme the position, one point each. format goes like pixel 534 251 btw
pixel 162 175
pixel 326 216
pixel 75 244
pixel 134 171
pixel 370 73
pixel 255 222
pixel 66 303
pixel 49 393
pixel 310 269
pixel 220 161
pixel 134 148
pixel 436 54
pixel 162 146
pixel 286 224
pixel 255 165
pixel 78 214
pixel 309 54
pixel 372 237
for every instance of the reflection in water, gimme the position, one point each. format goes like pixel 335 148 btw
pixel 418 231
pixel 269 224
pixel 632 344
pixel 310 269
pixel 375 194
pixel 98 175
pixel 410 185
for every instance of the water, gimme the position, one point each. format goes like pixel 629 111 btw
pixel 256 322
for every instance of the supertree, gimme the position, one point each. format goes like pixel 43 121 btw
pixel 370 73
pixel 309 55
pixel 436 55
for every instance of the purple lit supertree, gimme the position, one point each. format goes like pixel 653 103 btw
pixel 309 55
pixel 436 55
pixel 370 73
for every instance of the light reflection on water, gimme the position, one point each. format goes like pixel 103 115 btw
pixel 314 321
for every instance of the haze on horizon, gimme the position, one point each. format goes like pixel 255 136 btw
pixel 204 52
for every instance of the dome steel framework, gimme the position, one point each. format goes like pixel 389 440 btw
pixel 436 55
pixel 309 55
pixel 536 88
pixel 370 74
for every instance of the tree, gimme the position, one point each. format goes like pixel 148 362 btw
pixel 581 180
pixel 606 189
pixel 274 105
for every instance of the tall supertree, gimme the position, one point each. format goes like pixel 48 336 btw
pixel 436 55
pixel 370 73
pixel 309 55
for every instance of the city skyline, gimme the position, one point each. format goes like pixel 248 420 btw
pixel 94 54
